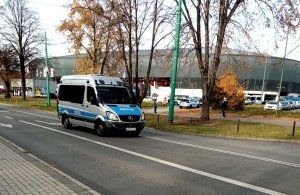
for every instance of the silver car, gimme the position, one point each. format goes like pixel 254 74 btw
pixel 272 105
pixel 189 103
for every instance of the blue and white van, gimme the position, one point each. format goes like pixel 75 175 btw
pixel 99 102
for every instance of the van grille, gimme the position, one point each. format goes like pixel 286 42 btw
pixel 129 118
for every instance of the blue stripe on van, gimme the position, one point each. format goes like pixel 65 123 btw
pixel 119 110
pixel 90 115
pixel 75 112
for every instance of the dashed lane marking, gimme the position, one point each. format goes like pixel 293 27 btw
pixel 48 123
pixel 39 115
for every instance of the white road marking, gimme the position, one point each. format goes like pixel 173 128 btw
pixel 48 123
pixel 228 152
pixel 39 115
pixel 6 125
pixel 178 166
pixel 4 111
pixel 8 117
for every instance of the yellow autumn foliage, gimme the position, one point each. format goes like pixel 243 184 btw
pixel 85 66
pixel 86 29
pixel 228 86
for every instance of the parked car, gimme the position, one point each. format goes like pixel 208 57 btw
pixel 292 105
pixel 178 98
pixel 248 102
pixel 297 103
pixel 294 101
pixel 189 103
pixel 285 105
pixel 272 105
pixel 197 98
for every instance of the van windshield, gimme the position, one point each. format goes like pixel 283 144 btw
pixel 115 95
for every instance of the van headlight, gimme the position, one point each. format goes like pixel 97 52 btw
pixel 111 116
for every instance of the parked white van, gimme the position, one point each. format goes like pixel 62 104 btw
pixel 99 102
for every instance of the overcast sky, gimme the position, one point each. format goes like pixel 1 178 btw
pixel 53 12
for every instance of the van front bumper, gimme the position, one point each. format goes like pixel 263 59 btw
pixel 125 126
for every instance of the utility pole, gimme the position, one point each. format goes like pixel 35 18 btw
pixel 175 62
pixel 264 76
pixel 263 81
pixel 47 72
pixel 281 77
pixel 136 56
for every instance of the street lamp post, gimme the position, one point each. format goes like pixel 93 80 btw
pixel 47 72
pixel 281 77
pixel 263 83
pixel 264 77
pixel 174 65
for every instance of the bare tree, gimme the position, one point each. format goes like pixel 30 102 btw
pixel 9 67
pixel 212 26
pixel 21 31
pixel 124 29
pixel 136 18
pixel 161 15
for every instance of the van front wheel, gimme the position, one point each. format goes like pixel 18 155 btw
pixel 99 127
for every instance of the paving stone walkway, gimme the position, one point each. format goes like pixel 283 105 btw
pixel 23 173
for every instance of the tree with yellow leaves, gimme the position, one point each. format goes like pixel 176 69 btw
pixel 228 86
pixel 88 28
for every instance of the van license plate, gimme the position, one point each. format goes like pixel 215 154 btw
pixel 131 129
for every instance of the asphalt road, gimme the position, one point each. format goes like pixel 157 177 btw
pixel 156 162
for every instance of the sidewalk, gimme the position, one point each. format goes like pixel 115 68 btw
pixel 277 121
pixel 23 173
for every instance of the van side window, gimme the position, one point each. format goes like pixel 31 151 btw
pixel 90 93
pixel 71 93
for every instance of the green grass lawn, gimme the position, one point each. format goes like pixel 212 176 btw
pixel 195 125
pixel 35 103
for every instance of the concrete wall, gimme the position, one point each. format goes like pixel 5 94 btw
pixel 32 85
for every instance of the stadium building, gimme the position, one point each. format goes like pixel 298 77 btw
pixel 260 75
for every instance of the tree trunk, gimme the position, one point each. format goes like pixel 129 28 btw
pixel 23 80
pixel 7 91
pixel 205 105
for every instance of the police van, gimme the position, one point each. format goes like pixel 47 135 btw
pixel 99 102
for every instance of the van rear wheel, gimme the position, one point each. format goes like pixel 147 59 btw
pixel 99 127
pixel 66 123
